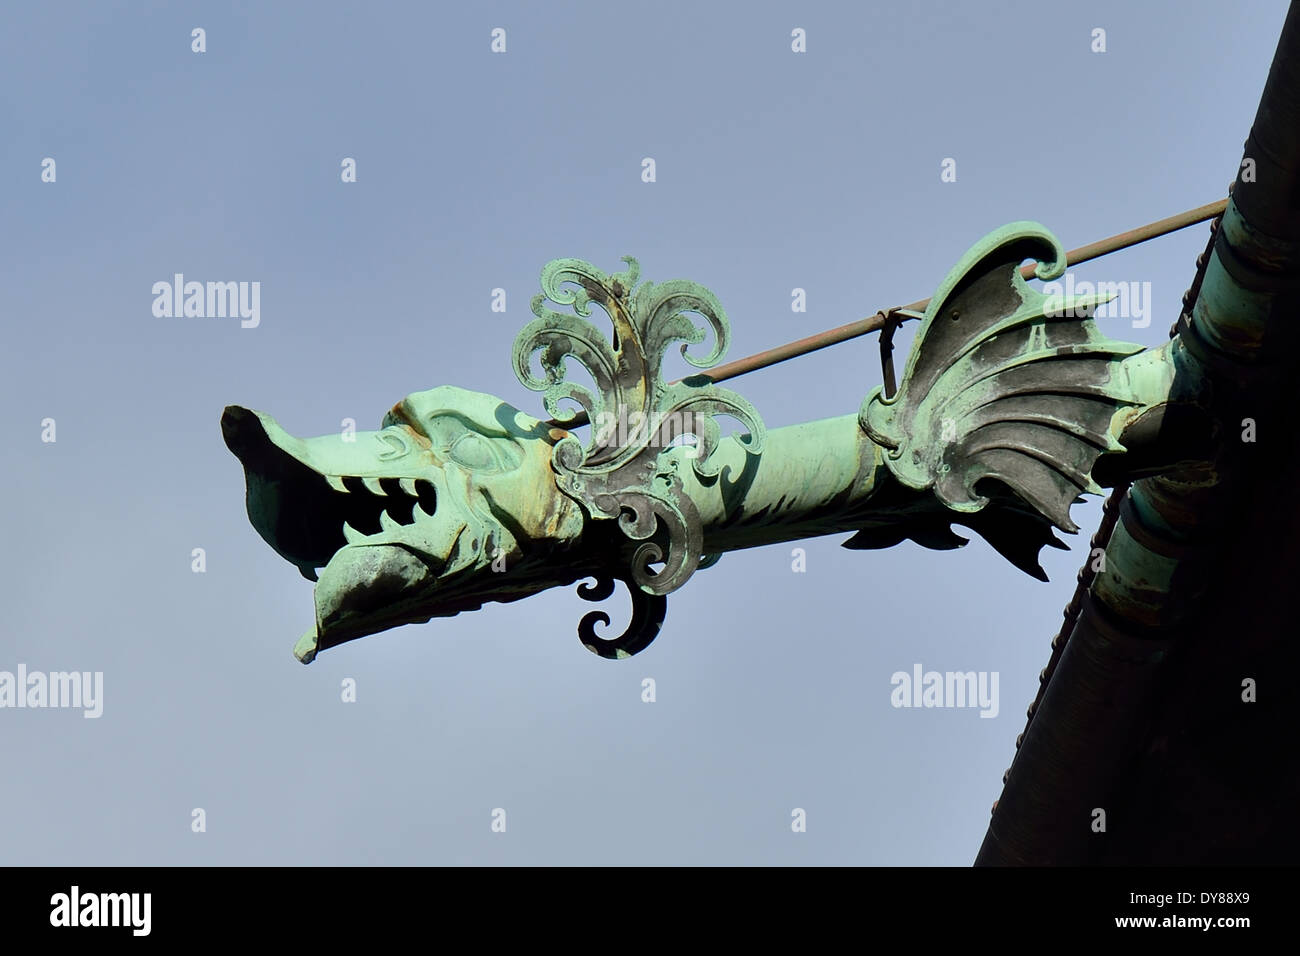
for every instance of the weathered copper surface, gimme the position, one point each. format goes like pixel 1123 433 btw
pixel 1006 405
pixel 1154 706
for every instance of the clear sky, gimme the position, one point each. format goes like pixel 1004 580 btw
pixel 775 170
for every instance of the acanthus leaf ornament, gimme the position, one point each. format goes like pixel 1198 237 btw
pixel 636 416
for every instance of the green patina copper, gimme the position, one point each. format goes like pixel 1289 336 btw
pixel 1006 405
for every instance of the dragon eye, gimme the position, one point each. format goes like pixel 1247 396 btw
pixel 473 451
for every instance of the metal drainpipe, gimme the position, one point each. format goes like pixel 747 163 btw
pixel 1241 330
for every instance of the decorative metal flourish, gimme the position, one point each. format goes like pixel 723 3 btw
pixel 647 617
pixel 1005 388
pixel 623 472
pixel 1008 401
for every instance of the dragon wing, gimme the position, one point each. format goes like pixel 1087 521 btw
pixel 1007 400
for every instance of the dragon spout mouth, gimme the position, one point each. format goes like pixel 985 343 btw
pixel 310 498
pixel 409 522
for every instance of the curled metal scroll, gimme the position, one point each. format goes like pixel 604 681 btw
pixel 647 617
pixel 623 473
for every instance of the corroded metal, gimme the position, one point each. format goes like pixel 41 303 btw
pixel 1005 411
pixel 621 473
pixel 453 482
pixel 1182 552
pixel 999 388
pixel 1109 516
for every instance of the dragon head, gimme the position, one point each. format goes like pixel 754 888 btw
pixel 439 511
pixel 460 499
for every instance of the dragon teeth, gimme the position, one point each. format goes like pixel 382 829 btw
pixel 419 514
pixel 408 485
pixel 336 483
pixel 352 535
pixel 372 486
pixel 387 522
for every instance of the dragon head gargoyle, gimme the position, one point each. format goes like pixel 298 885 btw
pixel 1006 406
pixel 408 523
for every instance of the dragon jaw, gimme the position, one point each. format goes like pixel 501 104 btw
pixel 407 522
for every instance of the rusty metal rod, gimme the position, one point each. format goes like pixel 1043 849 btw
pixel 853 330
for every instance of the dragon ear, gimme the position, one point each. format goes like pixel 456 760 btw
pixel 1006 387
